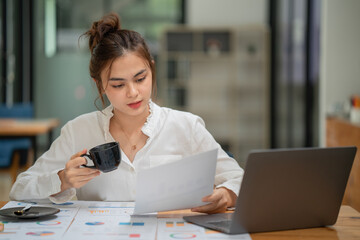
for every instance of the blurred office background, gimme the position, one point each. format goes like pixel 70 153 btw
pixel 261 73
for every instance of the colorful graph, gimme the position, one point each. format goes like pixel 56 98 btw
pixel 99 211
pixel 24 203
pixel 169 224
pixel 131 223
pixel 134 235
pixel 131 235
pixel 64 210
pixel 94 223
pixel 125 223
pixel 49 223
pixel 110 211
pixel 42 233
pixel 183 235
pixel 138 224
pixel 65 203
pixel 5 233
pixel 172 224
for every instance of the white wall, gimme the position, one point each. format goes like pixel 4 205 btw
pixel 340 55
pixel 226 12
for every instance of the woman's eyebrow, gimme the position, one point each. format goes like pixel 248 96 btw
pixel 123 79
pixel 140 72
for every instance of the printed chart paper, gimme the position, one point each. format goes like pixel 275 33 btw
pixel 177 228
pixel 52 227
pixel 90 220
pixel 103 226
pixel 177 185
pixel 80 220
pixel 111 220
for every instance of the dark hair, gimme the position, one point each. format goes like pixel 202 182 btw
pixel 107 41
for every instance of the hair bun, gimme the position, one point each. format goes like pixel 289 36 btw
pixel 108 24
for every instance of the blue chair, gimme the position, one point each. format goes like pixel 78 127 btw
pixel 15 153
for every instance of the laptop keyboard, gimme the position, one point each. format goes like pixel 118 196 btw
pixel 221 224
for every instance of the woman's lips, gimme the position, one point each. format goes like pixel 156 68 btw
pixel 135 104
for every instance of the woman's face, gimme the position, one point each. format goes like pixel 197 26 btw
pixel 128 85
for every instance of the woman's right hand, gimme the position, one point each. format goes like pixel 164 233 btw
pixel 75 176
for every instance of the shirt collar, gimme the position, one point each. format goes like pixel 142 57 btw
pixel 106 115
pixel 150 127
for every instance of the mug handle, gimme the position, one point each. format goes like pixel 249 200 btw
pixel 89 157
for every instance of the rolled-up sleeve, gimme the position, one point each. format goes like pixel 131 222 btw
pixel 42 180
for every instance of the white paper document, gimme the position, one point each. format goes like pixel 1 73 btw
pixel 177 185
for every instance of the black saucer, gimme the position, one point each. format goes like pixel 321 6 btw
pixel 33 212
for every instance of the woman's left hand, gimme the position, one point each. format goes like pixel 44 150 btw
pixel 219 200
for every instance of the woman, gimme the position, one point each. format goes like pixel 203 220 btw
pixel 124 71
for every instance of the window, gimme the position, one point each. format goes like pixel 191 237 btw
pixel 148 17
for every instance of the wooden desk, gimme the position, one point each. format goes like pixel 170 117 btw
pixel 340 132
pixel 31 128
pixel 347 227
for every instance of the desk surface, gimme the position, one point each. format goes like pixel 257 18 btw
pixel 347 227
pixel 28 127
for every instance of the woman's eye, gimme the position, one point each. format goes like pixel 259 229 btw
pixel 141 79
pixel 118 86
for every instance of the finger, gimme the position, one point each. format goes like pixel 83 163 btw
pixel 86 178
pixel 80 180
pixel 74 172
pixel 207 198
pixel 201 208
pixel 211 198
pixel 72 175
pixel 76 162
pixel 78 154
pixel 208 208
pixel 85 171
pixel 216 203
pixel 214 197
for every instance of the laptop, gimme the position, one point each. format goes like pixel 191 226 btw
pixel 286 189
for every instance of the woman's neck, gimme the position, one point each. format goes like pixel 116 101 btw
pixel 130 124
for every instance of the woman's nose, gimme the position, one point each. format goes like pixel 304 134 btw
pixel 132 91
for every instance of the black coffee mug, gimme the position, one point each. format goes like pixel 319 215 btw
pixel 106 157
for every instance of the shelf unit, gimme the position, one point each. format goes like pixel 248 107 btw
pixel 220 74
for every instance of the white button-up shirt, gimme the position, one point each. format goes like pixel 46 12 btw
pixel 171 135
